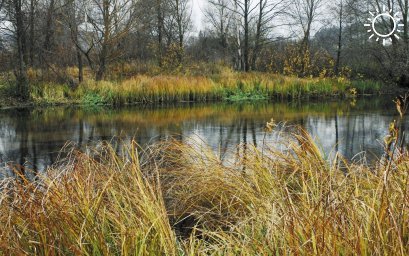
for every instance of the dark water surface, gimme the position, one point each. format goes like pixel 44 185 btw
pixel 34 136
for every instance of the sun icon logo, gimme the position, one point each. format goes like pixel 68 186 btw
pixel 379 28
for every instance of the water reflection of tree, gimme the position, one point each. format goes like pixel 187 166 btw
pixel 40 134
pixel 336 132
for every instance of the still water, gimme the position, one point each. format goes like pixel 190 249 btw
pixel 34 136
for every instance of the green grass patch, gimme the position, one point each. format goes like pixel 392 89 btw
pixel 244 92
pixel 93 98
pixel 367 86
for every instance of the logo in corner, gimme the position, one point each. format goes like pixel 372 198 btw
pixel 384 25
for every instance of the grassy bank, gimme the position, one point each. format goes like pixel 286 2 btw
pixel 230 86
pixel 180 199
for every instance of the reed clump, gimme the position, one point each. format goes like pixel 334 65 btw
pixel 97 203
pixel 145 89
pixel 226 85
pixel 180 198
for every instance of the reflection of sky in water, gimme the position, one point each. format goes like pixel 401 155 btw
pixel 35 136
pixel 356 133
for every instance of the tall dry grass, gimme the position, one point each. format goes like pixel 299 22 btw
pixel 199 88
pixel 292 202
pixel 163 88
pixel 97 203
pixel 180 198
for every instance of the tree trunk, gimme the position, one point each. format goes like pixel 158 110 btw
pixel 21 72
pixel 258 35
pixel 337 63
pixel 103 55
pixel 72 23
pixel 48 29
pixel 80 66
pixel 405 9
pixel 102 63
pixel 179 20
pixel 305 45
pixel 31 32
pixel 239 62
pixel 246 36
pixel 160 28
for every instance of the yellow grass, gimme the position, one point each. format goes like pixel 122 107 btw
pixel 179 199
pixel 124 85
pixel 180 88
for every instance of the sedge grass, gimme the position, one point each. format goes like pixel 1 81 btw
pixel 226 85
pixel 234 86
pixel 180 198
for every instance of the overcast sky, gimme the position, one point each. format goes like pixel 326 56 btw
pixel 199 21
pixel 197 13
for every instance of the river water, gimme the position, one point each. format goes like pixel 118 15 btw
pixel 34 136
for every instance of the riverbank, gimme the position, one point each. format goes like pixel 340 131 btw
pixel 179 199
pixel 229 86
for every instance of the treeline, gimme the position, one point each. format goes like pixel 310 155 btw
pixel 298 37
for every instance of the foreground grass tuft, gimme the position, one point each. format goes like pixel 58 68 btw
pixel 101 206
pixel 180 199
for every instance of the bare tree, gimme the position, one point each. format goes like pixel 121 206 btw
pixel 340 24
pixel 159 26
pixel 49 29
pixel 404 9
pixel 338 10
pixel 32 37
pixel 243 10
pixel 268 11
pixel 253 22
pixel 305 13
pixel 72 18
pixel 111 21
pixel 219 16
pixel 181 13
pixel 15 14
